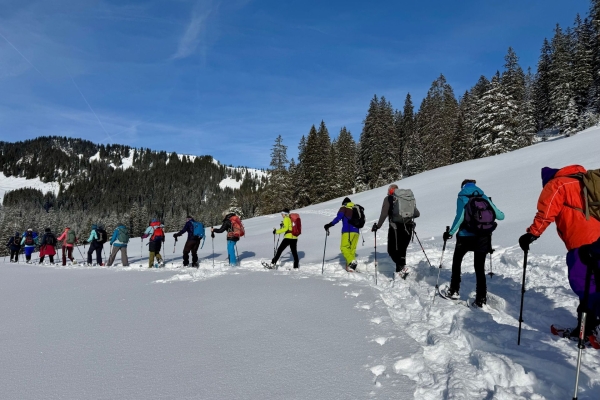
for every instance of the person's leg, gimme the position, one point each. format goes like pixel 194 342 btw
pixel 70 254
pixel 64 255
pixel 404 237
pixel 577 272
pixel 124 259
pixel 346 247
pixel 99 254
pixel 113 255
pixel 481 285
pixel 41 259
pixel 284 244
pixel 392 246
pixel 89 254
pixel 151 259
pixel 231 252
pixel 460 250
pixel 157 251
pixel 51 259
pixel 294 249
pixel 28 253
pixel 195 247
pixel 186 252
pixel 13 255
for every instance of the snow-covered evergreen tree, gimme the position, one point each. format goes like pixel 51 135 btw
pixel 346 166
pixel 278 192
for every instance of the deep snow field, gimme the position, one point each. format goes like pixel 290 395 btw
pixel 244 332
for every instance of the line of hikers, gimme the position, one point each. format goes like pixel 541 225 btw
pixel 570 198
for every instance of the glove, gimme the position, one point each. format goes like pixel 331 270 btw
pixel 274 231
pixel 374 228
pixel 212 235
pixel 327 226
pixel 85 242
pixel 587 254
pixel 281 225
pixel 446 236
pixel 144 236
pixel 175 235
pixel 526 240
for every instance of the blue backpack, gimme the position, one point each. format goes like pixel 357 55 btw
pixel 198 229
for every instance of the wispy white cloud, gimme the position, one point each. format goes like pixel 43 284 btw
pixel 195 32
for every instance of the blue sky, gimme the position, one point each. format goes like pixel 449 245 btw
pixel 226 77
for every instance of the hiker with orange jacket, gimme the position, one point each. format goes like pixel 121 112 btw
pixel 562 202
pixel 232 235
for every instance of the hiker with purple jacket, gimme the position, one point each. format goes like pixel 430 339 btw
pixel 474 222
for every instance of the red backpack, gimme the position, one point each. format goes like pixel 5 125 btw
pixel 237 228
pixel 157 230
pixel 296 224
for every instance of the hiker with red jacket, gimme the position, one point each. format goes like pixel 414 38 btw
pixel 288 240
pixel 68 239
pixel 473 235
pixel 231 225
pixel 562 202
pixel 157 237
pixel 47 246
pixel 192 243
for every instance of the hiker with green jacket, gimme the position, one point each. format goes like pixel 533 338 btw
pixel 288 240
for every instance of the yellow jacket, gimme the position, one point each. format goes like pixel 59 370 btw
pixel 287 228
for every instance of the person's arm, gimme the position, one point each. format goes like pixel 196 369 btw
pixel 287 226
pixel 23 241
pixel 223 227
pixel 341 214
pixel 62 236
pixel 385 212
pixel 186 228
pixel 461 201
pixel 114 237
pixel 550 204
pixel 149 231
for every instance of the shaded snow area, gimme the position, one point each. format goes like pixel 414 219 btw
pixel 243 332
pixel 13 183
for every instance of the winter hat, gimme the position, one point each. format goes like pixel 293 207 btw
pixel 47 230
pixel 473 181
pixel 17 233
pixel 285 211
pixel 189 217
pixel 94 226
pixel 346 201
pixel 392 188
pixel 29 230
pixel 547 174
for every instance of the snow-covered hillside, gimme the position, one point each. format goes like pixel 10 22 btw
pixel 246 332
pixel 13 183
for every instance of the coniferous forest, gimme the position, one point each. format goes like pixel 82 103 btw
pixel 507 111
pixel 112 184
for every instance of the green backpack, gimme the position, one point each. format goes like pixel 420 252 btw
pixel 123 235
pixel 71 237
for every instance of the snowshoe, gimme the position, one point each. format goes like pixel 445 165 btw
pixel 267 265
pixel 195 265
pixel 449 294
pixel 403 273
pixel 353 265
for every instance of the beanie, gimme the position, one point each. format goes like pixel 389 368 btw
pixel 285 211
pixel 467 181
pixel 346 201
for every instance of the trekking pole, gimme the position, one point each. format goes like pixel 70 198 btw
pixel 582 318
pixel 79 250
pixel 274 251
pixel 325 248
pixel 213 249
pixel 437 282
pixel 278 238
pixel 491 273
pixel 375 258
pixel 427 258
pixel 522 296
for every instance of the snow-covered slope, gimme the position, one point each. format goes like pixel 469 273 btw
pixel 13 183
pixel 241 330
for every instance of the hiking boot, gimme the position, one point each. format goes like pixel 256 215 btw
pixel 450 293
pixel 353 264
pixel 195 265
pixel 479 302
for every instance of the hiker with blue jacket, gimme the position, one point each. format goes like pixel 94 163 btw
pixel 473 226
pixel 118 242
pixel 350 233
pixel 192 243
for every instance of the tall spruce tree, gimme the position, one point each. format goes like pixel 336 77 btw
pixel 413 155
pixel 561 80
pixel 436 123
pixel 346 168
pixel 278 192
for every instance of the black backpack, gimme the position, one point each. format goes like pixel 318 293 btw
pixel 102 236
pixel 50 239
pixel 358 216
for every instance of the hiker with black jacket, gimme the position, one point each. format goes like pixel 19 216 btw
pixel 474 234
pixel 401 227
pixel 14 245
pixel 47 246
